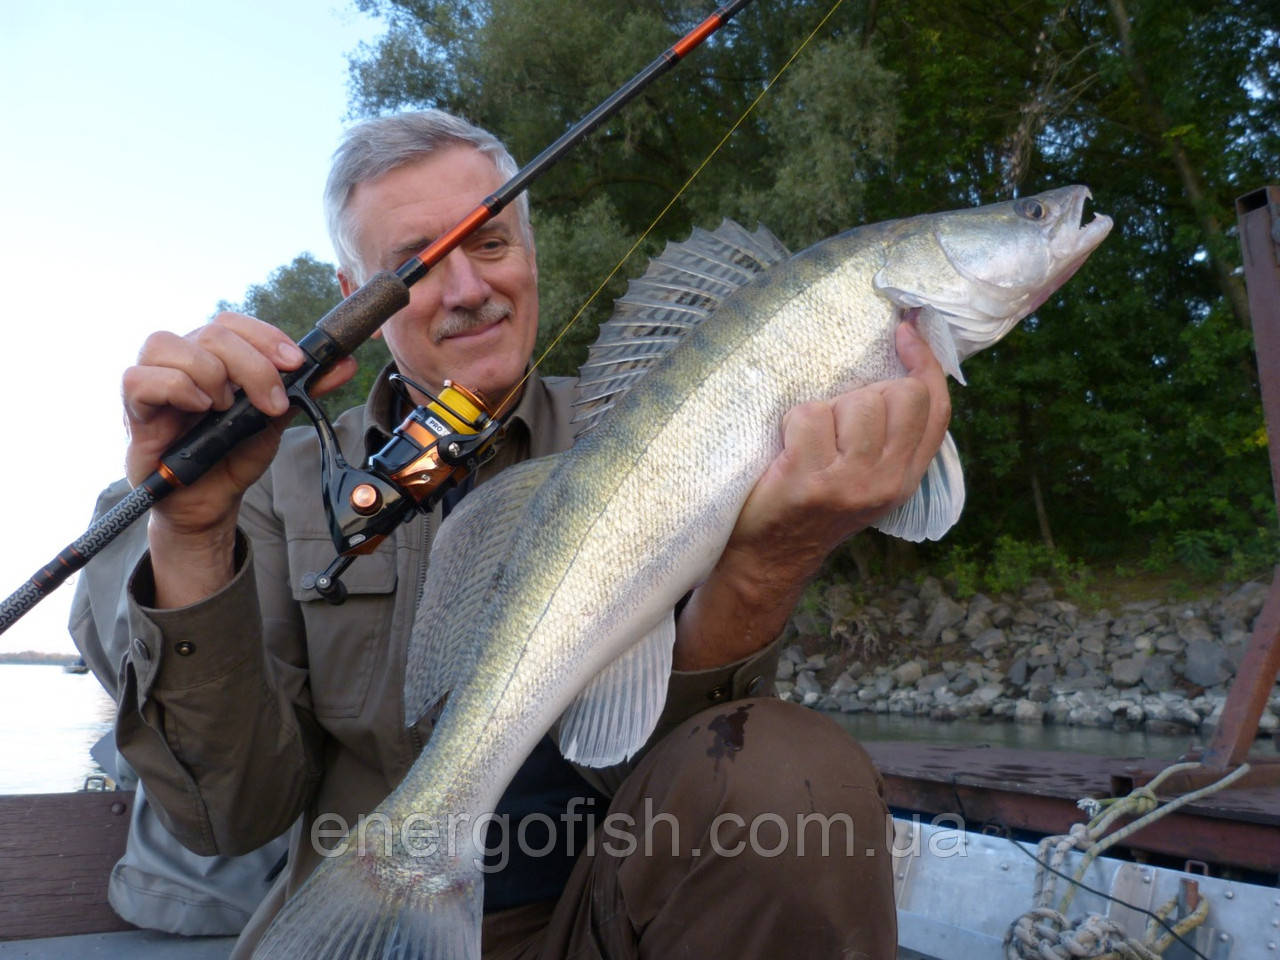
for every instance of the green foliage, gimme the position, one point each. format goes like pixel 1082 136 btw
pixel 1012 565
pixel 293 298
pixel 1129 399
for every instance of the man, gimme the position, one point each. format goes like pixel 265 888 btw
pixel 248 701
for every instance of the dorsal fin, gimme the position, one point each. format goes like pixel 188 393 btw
pixel 467 565
pixel 683 286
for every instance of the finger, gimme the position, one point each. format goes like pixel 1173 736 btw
pixel 860 423
pixel 269 340
pixel 335 376
pixel 809 437
pixel 923 366
pixel 909 442
pixel 146 390
pixel 243 364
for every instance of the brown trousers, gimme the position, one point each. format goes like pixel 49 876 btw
pixel 755 829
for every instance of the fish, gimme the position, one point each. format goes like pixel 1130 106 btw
pixel 551 589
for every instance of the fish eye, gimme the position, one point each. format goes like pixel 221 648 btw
pixel 1031 209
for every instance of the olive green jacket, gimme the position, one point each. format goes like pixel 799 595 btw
pixel 264 703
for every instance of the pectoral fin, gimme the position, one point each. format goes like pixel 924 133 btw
pixel 615 714
pixel 935 506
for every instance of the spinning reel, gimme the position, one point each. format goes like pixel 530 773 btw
pixel 434 450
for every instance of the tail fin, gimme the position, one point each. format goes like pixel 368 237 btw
pixel 367 908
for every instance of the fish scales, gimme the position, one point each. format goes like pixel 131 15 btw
pixel 620 527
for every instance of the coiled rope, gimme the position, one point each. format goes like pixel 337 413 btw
pixel 1045 933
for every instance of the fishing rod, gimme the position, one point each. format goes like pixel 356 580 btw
pixel 453 433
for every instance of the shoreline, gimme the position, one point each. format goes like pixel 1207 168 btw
pixel 1031 658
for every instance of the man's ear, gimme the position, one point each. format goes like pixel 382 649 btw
pixel 345 284
pixel 348 287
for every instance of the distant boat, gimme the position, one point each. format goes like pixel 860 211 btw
pixel 76 666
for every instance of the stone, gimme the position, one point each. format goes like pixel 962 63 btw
pixel 930 591
pixel 795 653
pixel 1043 675
pixel 807 689
pixel 1018 672
pixel 1170 643
pixel 786 669
pixel 1026 616
pixel 815 663
pixel 976 624
pixel 1075 670
pixel 1127 672
pixel 1041 655
pixel 931 682
pixel 989 641
pixel 1194 630
pixel 908 673
pixel 963 685
pixel 1094 643
pixel 783 689
pixel 944 613
pixel 988 694
pixel 1027 711
pixel 1206 664
pixel 1039 692
pixel 1001 615
pixel 845 683
pixel 1157 675
pixel 1245 603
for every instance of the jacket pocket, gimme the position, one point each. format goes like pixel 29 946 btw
pixel 347 642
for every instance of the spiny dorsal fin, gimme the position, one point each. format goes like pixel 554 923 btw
pixel 683 286
pixel 466 566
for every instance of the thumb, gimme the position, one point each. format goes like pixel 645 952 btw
pixel 912 349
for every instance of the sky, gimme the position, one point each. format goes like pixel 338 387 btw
pixel 155 158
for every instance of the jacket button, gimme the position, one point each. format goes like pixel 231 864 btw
pixel 718 693
pixel 754 685
pixel 184 648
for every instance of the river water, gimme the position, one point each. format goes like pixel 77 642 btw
pixel 50 718
pixel 48 721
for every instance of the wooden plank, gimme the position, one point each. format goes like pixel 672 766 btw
pixel 56 854
pixel 1037 791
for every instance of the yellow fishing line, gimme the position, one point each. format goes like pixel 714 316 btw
pixel 672 202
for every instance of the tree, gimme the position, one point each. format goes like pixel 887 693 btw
pixel 1124 415
pixel 293 298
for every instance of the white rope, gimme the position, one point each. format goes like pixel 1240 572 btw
pixel 1045 933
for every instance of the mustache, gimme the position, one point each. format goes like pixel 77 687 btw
pixel 462 319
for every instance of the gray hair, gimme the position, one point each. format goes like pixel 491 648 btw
pixel 376 147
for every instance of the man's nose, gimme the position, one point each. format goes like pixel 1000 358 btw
pixel 463 286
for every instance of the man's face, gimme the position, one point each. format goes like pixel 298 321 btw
pixel 473 318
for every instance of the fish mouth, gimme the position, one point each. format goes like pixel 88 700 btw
pixel 1074 239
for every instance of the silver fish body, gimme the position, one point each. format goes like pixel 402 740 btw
pixel 561 574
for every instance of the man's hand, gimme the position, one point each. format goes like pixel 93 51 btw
pixel 175 381
pixel 844 465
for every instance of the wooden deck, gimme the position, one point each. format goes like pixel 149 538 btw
pixel 1036 791
pixel 57 852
